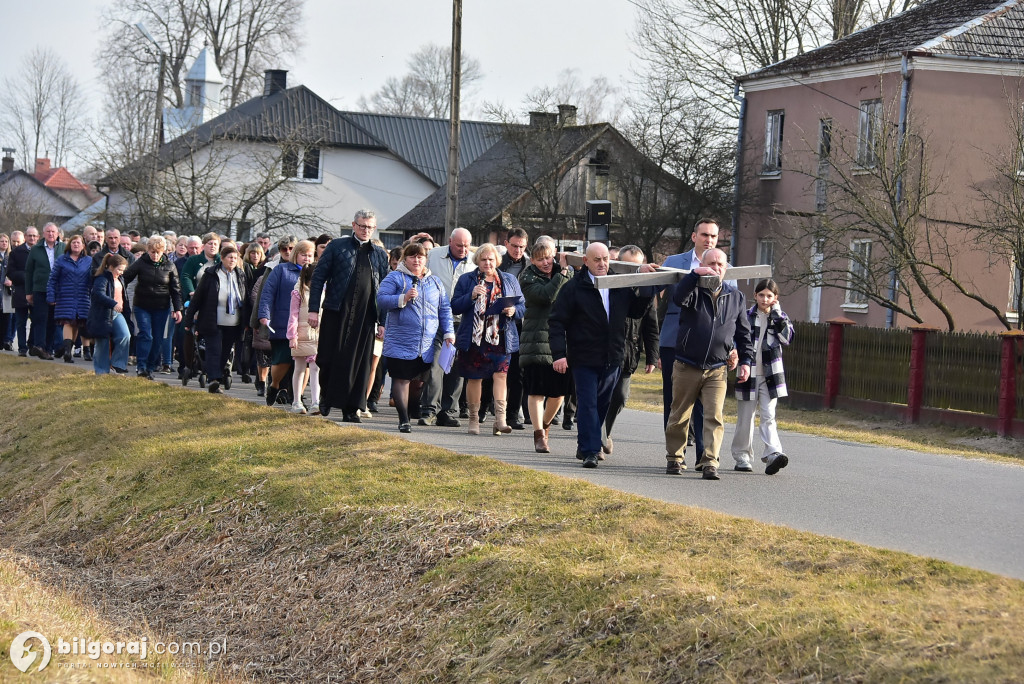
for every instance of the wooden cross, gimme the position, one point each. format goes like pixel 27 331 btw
pixel 624 273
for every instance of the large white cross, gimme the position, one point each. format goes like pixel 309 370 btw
pixel 624 273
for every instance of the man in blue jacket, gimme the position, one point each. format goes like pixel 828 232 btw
pixel 712 322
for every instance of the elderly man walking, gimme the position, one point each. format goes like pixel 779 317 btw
pixel 712 322
pixel 439 399
pixel 37 273
pixel 587 330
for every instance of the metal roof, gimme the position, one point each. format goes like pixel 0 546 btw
pixel 964 28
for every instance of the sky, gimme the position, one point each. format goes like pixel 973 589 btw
pixel 352 47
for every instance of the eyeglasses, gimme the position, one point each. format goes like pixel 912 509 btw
pixel 286 249
pixel 364 226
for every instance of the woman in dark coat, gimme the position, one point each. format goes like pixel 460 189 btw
pixel 218 311
pixel 68 291
pixel 486 340
pixel 6 302
pixel 108 316
pixel 541 281
pixel 157 294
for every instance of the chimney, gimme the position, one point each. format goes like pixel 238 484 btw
pixel 8 160
pixel 274 81
pixel 42 166
pixel 566 115
pixel 543 120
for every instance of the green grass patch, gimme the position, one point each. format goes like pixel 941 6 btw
pixel 322 550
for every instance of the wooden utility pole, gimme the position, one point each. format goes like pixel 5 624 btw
pixel 451 219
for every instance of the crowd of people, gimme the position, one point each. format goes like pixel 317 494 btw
pixel 461 331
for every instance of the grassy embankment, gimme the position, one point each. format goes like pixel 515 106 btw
pixel 318 551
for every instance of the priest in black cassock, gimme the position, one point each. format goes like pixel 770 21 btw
pixel 347 274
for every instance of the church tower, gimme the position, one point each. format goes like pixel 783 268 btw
pixel 203 86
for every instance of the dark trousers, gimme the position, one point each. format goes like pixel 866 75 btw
pixel 594 386
pixel 21 327
pixel 43 326
pixel 218 349
pixel 668 359
pixel 619 397
pixel 514 386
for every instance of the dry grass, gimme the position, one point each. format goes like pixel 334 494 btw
pixel 333 553
pixel 645 395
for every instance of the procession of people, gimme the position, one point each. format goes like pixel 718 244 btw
pixel 461 331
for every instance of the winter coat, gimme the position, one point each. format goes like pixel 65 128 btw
pixel 462 303
pixel 16 272
pixel 580 330
pixel 641 340
pixel 7 292
pixel 411 327
pixel 710 329
pixel 780 332
pixel 100 323
pixel 37 268
pixel 540 292
pixel 97 258
pixel 306 337
pixel 69 288
pixel 158 287
pixel 276 298
pixel 336 266
pixel 201 314
pixel 191 270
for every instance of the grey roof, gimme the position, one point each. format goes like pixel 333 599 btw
pixel 423 142
pixel 484 190
pixel 963 28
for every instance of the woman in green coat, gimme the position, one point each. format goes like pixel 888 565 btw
pixel 540 282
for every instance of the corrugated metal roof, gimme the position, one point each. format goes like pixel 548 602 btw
pixel 423 142
pixel 983 28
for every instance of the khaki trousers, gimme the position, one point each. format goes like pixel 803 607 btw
pixel 690 383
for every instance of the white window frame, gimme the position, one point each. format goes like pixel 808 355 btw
pixel 1015 280
pixel 869 129
pixel 859 267
pixel 775 121
pixel 300 165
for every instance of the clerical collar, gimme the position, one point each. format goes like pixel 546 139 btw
pixel 361 242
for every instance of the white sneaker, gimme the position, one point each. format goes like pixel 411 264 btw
pixel 365 414
pixel 297 407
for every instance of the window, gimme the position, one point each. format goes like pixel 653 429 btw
pixel 1015 292
pixel 304 160
pixel 766 253
pixel 869 133
pixel 773 142
pixel 195 94
pixel 860 263
pixel 824 164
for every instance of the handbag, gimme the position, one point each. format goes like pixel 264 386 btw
pixel 261 338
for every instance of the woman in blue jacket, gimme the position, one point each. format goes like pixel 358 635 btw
pixel 274 307
pixel 107 321
pixel 417 307
pixel 68 291
pixel 486 341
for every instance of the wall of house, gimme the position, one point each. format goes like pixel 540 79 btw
pixel 962 120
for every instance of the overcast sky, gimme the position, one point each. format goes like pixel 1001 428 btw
pixel 351 47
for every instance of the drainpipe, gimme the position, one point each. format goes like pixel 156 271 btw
pixel 737 185
pixel 900 141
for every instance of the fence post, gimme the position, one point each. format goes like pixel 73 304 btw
pixel 834 359
pixel 1008 382
pixel 915 388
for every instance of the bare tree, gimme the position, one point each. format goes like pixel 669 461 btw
pixel 425 90
pixel 595 102
pixel 42 109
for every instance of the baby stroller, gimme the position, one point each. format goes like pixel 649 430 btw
pixel 194 358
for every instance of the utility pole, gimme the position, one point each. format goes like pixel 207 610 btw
pixel 451 220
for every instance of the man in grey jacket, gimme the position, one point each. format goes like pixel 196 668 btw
pixel 439 399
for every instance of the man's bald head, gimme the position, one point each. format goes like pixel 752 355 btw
pixel 459 243
pixel 596 259
pixel 715 260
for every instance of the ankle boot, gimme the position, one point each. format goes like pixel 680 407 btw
pixel 68 350
pixel 474 419
pixel 261 388
pixel 87 352
pixel 540 442
pixel 500 427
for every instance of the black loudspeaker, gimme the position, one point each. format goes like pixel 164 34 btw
pixel 599 213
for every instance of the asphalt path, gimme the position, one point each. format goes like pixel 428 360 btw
pixel 966 511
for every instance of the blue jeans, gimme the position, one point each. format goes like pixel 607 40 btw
pixel 151 324
pixel 668 359
pixel 594 386
pixel 119 338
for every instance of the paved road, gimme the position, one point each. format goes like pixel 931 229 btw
pixel 967 511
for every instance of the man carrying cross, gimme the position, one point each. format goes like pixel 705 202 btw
pixel 712 322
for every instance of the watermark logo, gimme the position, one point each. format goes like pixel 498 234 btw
pixel 23 656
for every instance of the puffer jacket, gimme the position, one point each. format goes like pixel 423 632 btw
pixel 69 288
pixel 158 287
pixel 276 298
pixel 337 265
pixel 16 272
pixel 540 292
pixel 410 328
pixel 100 323
pixel 462 303
pixel 306 338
